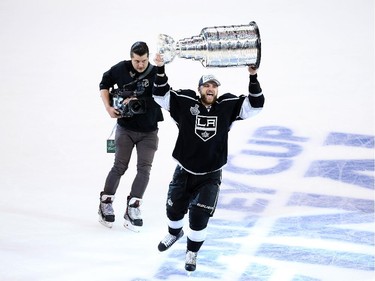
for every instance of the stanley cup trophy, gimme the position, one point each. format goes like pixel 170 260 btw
pixel 219 46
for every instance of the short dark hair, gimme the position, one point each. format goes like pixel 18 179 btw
pixel 139 48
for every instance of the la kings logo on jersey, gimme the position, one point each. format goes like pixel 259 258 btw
pixel 205 126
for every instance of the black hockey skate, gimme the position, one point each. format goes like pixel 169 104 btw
pixel 191 261
pixel 169 240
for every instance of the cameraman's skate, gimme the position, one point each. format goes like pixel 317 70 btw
pixel 133 219
pixel 106 214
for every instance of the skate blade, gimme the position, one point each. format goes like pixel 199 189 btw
pixel 132 227
pixel 105 223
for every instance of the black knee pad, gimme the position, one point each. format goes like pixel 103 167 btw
pixel 198 218
pixel 175 215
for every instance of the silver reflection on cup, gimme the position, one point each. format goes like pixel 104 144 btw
pixel 219 46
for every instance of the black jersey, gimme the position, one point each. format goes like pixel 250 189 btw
pixel 123 73
pixel 202 142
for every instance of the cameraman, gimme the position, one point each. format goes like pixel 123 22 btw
pixel 138 130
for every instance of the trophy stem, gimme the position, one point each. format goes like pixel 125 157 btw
pixel 192 48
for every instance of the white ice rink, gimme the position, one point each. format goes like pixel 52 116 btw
pixel 297 199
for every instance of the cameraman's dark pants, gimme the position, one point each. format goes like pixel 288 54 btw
pixel 146 145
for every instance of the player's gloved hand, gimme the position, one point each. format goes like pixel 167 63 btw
pixel 252 69
pixel 159 61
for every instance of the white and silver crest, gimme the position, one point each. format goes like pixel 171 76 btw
pixel 205 127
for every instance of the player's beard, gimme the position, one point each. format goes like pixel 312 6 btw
pixel 208 100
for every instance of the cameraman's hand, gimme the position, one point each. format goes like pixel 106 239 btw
pixel 113 112
pixel 127 100
pixel 104 94
pixel 159 61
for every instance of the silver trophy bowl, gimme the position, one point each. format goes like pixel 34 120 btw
pixel 220 46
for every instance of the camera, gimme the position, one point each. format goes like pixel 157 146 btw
pixel 133 107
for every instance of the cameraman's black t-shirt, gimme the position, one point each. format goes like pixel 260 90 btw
pixel 122 74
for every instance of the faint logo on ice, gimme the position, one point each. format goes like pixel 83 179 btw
pixel 268 217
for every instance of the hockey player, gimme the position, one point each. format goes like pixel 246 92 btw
pixel 201 151
pixel 135 129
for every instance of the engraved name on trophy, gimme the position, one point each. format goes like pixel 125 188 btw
pixel 219 46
